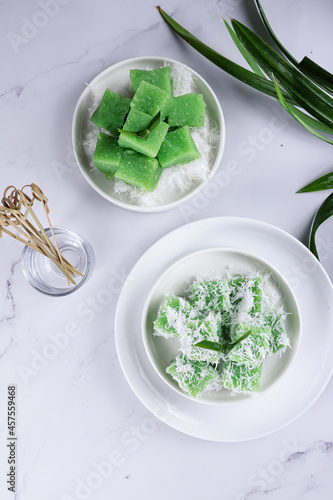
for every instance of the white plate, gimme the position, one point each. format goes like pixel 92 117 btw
pixel 305 379
pixel 217 261
pixel 116 78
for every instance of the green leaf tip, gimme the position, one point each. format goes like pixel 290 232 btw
pixel 320 184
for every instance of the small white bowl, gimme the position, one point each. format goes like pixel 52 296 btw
pixel 116 78
pixel 216 261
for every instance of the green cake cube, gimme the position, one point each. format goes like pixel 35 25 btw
pixel 187 109
pixel 111 112
pixel 173 316
pixel 149 146
pixel 226 322
pixel 107 154
pixel 178 148
pixel 239 330
pixel 158 77
pixel 241 378
pixel 150 99
pixel 257 295
pixel 252 350
pixel 237 286
pixel 136 120
pixel 165 110
pixel 279 338
pixel 139 170
pixel 198 330
pixel 193 377
pixel 240 287
pixel 249 289
pixel 211 295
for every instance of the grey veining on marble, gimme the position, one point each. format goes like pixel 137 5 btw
pixel 82 433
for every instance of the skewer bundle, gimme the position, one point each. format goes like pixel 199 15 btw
pixel 14 216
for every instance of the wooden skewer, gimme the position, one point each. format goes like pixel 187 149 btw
pixel 12 214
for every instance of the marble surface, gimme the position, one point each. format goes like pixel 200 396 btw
pixel 81 431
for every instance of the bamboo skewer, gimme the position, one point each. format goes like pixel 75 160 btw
pixel 14 212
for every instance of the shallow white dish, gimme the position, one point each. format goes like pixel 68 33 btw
pixel 115 77
pixel 306 377
pixel 208 262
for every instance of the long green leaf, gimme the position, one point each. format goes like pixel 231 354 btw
pixel 273 35
pixel 215 346
pixel 316 73
pixel 312 122
pixel 303 91
pixel 325 211
pixel 255 81
pixel 324 182
pixel 247 56
pixel 290 110
pixel 211 346
pixel 243 337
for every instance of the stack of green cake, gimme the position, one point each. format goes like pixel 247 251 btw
pixel 225 331
pixel 150 131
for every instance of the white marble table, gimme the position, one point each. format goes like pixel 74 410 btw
pixel 81 431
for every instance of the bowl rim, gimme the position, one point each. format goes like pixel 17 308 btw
pixel 145 334
pixel 176 203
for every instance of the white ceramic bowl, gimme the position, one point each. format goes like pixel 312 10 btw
pixel 177 278
pixel 116 78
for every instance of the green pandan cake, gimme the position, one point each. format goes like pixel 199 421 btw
pixel 178 148
pixel 149 146
pixel 193 377
pixel 213 295
pixel 149 99
pixel 137 120
pixel 107 154
pixel 142 125
pixel 111 112
pixel 158 77
pixel 240 378
pixel 225 330
pixel 187 109
pixel 139 170
pixel 173 315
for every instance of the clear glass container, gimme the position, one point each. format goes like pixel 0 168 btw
pixel 45 276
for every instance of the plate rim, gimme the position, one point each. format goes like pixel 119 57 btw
pixel 137 208
pixel 156 412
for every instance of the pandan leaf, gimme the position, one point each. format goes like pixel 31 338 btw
pixel 325 212
pixel 315 72
pixel 126 132
pixel 255 81
pixel 312 122
pixel 247 56
pixel 273 35
pixel 291 109
pixel 313 100
pixel 243 337
pixel 324 182
pixel 304 91
pixel 153 124
pixel 215 346
pixel 211 346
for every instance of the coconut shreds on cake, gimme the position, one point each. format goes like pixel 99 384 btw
pixel 240 315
